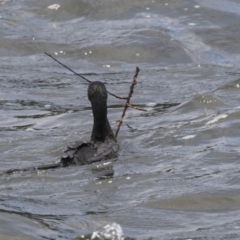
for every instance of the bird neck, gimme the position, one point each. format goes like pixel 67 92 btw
pixel 101 128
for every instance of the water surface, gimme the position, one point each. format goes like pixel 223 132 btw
pixel 177 173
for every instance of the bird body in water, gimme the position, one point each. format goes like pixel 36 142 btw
pixel 102 145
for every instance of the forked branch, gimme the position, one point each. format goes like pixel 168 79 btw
pixel 127 104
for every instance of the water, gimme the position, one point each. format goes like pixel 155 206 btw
pixel 177 173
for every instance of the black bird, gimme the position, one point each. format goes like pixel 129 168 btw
pixel 103 145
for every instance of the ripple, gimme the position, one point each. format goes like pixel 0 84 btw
pixel 216 119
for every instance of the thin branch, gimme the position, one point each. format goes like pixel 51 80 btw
pixel 124 98
pixel 68 68
pixel 80 75
pixel 139 109
pixel 129 126
pixel 134 82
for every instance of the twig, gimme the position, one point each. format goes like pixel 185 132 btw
pixel 80 75
pixel 129 126
pixel 134 82
pixel 124 98
pixel 68 68
pixel 127 104
pixel 139 109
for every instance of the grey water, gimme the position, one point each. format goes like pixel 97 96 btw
pixel 177 174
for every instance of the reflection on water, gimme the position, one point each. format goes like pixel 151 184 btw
pixel 177 172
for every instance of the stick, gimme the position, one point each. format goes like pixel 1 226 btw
pixel 127 104
pixel 68 68
pixel 80 75
pixel 134 82
pixel 125 98
pixel 129 126
pixel 139 109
